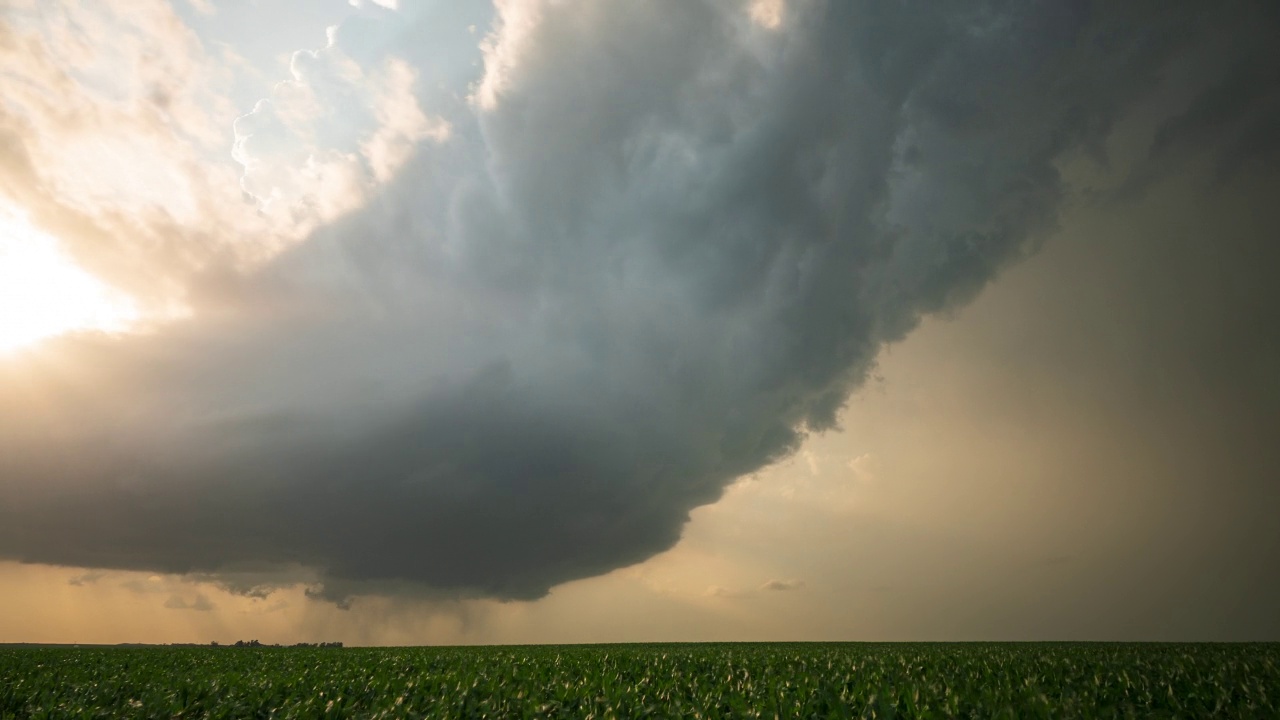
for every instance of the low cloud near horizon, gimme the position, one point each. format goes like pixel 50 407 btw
pixel 474 314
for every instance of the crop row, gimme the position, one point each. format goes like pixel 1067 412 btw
pixel 631 681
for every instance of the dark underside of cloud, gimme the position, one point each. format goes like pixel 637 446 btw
pixel 672 245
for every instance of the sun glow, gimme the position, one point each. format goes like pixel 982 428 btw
pixel 767 13
pixel 43 293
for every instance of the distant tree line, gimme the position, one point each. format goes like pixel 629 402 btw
pixel 255 643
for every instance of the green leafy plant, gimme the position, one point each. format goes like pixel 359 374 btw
pixel 749 680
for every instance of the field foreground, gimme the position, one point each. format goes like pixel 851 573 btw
pixel 782 680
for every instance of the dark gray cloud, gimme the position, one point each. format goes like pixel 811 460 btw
pixel 669 245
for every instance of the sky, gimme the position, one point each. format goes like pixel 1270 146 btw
pixel 546 321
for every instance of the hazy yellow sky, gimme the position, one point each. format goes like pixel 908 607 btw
pixel 538 321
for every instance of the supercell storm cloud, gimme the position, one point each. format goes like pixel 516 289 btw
pixel 561 278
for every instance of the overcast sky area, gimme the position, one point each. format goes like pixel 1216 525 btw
pixel 524 321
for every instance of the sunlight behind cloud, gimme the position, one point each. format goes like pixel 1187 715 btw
pixel 43 293
pixel 767 13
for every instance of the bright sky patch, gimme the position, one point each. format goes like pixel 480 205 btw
pixel 44 293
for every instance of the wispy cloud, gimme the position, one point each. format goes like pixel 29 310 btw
pixel 199 603
pixel 782 585
pixel 87 578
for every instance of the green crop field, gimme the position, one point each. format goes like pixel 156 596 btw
pixel 866 680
